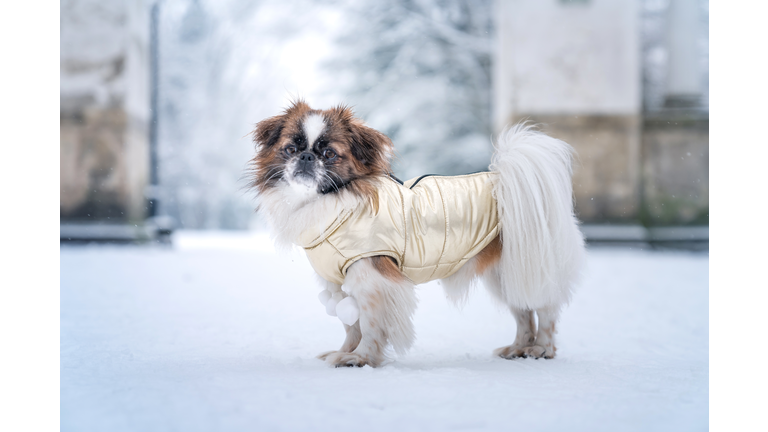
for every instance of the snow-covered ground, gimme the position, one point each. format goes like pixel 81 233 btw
pixel 219 332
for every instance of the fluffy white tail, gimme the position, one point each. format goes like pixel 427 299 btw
pixel 542 246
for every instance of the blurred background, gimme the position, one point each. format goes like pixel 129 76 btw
pixel 219 332
pixel 158 99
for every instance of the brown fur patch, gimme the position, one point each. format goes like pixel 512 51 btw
pixel 374 301
pixel 387 267
pixel 550 331
pixel 489 256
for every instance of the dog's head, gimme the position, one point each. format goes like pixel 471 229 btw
pixel 312 152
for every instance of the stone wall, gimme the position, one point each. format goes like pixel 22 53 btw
pixel 606 174
pixel 104 139
pixel 675 176
pixel 651 169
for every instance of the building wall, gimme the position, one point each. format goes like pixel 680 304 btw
pixel 558 57
pixel 104 110
pixel 574 67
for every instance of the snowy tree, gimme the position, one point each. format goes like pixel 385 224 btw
pixel 420 71
pixel 198 151
pixel 221 70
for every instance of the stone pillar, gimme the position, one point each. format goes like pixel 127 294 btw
pixel 683 86
pixel 675 148
pixel 574 67
pixel 104 110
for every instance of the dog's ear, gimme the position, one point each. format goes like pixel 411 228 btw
pixel 369 146
pixel 268 131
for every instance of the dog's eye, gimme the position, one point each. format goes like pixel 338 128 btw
pixel 291 149
pixel 329 154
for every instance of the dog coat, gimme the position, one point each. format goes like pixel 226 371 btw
pixel 429 225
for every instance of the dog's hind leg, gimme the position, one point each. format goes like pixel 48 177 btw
pixel 526 326
pixel 526 335
pixel 545 336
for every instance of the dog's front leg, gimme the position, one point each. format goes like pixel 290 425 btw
pixel 353 332
pixel 353 337
pixel 387 302
pixel 350 342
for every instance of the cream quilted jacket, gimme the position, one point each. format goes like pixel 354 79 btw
pixel 431 226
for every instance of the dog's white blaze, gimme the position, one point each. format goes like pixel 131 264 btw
pixel 314 125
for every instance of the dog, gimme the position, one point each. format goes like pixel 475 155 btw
pixel 323 180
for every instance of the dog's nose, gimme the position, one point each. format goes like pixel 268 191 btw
pixel 306 163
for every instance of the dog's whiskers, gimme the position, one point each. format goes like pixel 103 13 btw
pixel 331 180
pixel 280 171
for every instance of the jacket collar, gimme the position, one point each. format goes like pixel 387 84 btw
pixel 317 233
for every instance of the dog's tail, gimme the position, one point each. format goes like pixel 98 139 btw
pixel 542 246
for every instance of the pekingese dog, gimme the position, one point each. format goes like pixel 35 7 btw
pixel 324 183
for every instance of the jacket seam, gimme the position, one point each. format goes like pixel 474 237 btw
pixel 445 234
pixel 341 270
pixel 322 237
pixel 457 176
pixel 405 227
pixel 358 257
pixel 495 231
pixel 492 233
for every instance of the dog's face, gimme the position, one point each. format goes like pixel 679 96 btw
pixel 310 152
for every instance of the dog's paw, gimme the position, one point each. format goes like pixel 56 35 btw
pixel 343 359
pixel 538 351
pixel 510 351
pixel 323 356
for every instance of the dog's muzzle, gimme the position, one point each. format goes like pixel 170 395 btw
pixel 305 165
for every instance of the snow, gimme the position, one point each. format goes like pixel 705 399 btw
pixel 219 332
pixel 347 311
